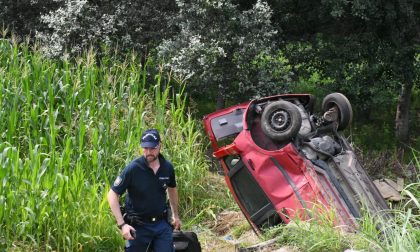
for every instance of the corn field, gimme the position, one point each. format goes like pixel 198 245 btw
pixel 67 128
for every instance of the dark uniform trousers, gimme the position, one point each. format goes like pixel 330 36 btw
pixel 156 237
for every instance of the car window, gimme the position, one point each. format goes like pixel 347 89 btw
pixel 250 194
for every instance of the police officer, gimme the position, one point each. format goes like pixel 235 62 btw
pixel 146 179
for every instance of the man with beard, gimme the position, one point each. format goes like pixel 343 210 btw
pixel 146 179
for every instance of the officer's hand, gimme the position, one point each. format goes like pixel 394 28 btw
pixel 176 223
pixel 127 232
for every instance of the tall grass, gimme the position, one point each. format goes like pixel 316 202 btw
pixel 67 128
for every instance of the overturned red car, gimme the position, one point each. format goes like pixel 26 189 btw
pixel 282 161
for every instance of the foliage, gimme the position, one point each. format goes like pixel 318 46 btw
pixel 23 16
pixel 222 48
pixel 315 236
pixel 366 48
pixel 76 23
pixel 238 50
pixel 399 234
pixel 368 83
pixel 72 26
pixel 413 189
pixel 68 128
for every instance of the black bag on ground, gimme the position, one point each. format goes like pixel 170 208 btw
pixel 186 241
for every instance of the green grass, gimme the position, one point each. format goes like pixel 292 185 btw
pixel 67 129
pixel 400 234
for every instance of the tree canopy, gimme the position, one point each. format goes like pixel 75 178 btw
pixel 222 48
pixel 234 50
pixel 366 49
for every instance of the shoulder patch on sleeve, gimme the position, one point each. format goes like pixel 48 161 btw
pixel 118 181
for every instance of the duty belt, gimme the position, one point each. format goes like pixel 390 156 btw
pixel 136 219
pixel 154 218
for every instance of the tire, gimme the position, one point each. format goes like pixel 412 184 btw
pixel 281 121
pixel 345 115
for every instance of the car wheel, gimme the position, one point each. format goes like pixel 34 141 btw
pixel 281 121
pixel 345 112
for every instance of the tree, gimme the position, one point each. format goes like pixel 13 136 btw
pixel 222 48
pixel 78 24
pixel 22 17
pixel 366 48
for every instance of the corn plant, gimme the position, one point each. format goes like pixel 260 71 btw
pixel 67 128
